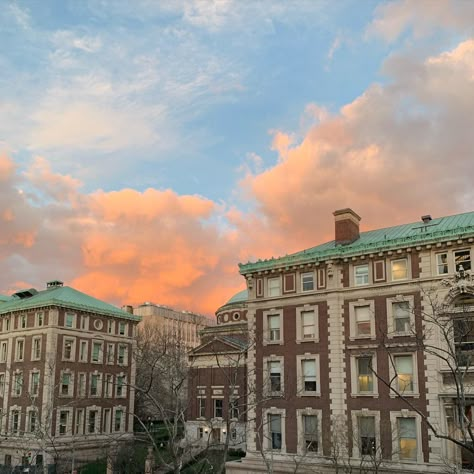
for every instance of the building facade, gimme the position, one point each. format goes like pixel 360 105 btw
pixel 66 376
pixel 217 387
pixel 347 362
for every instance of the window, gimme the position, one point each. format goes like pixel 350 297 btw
pixel 80 421
pixel 63 419
pixel 106 421
pixel 307 281
pixel 68 349
pixel 110 326
pixel 15 421
pixel 109 383
pixel 94 385
pixel 202 408
pixel 32 420
pixel 442 263
pixel 34 383
pixel 92 422
pixel 69 320
pixel 274 423
pixel 399 269
pixel 110 353
pixel 218 407
pixel 367 436
pixel 123 355
pixel 404 372
pixel 308 371
pixel 23 321
pixel 310 433
pixel 118 420
pixel 7 324
pixel 36 349
pixel 365 376
pixel 20 349
pixel 65 383
pixel 84 323
pixel 401 316
pixel 200 433
pixel 3 351
pixel 274 371
pixel 97 352
pixel 361 275
pixel 274 327
pixel 234 409
pixel 81 385
pixel 83 350
pixel 122 328
pixel 17 384
pixel 308 325
pixel 121 391
pixel 407 439
pixel 462 258
pixel 2 387
pixel 273 286
pixel 39 319
pixel 363 326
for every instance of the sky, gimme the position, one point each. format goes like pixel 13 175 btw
pixel 147 147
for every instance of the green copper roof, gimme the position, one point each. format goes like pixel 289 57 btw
pixel 4 298
pixel 406 235
pixel 239 297
pixel 64 296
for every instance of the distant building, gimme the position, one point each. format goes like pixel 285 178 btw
pixel 218 379
pixel 183 325
pixel 66 372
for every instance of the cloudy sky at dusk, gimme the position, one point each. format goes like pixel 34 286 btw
pixel 147 147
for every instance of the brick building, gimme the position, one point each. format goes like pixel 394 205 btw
pixel 217 405
pixel 339 360
pixel 66 371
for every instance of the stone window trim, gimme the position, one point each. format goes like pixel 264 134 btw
pixel 355 415
pixel 300 429
pixel 390 322
pixel 84 323
pixel 292 288
pixel 266 375
pixel 266 429
pixel 394 416
pixel 259 287
pixel 353 278
pixel 266 332
pixel 352 319
pixel 35 356
pixel 354 374
pixel 66 340
pixel 459 251
pixel 392 373
pixel 122 421
pixel 299 374
pixel 276 288
pixel 376 265
pixel 98 420
pixel 69 411
pixel 122 328
pixel 19 353
pixel 321 272
pixel 299 323
pixel 408 268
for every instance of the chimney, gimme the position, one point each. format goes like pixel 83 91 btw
pixel 127 308
pixel 347 226
pixel 426 219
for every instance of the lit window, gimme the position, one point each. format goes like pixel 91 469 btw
pixel 442 263
pixel 274 423
pixel 365 378
pixel 308 371
pixel 274 371
pixel 274 327
pixel 407 439
pixel 401 316
pixel 400 269
pixel 307 281
pixel 462 258
pixel 367 439
pixel 310 432
pixel 361 275
pixel 308 325
pixel 405 377
pixel 218 407
pixel 273 286
pixel 362 321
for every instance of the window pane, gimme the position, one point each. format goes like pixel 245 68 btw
pixel 442 263
pixel 462 257
pixel 307 281
pixel 404 368
pixel 399 269
pixel 407 437
pixel 361 273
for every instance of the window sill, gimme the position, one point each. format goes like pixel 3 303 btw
pixel 314 340
pixel 410 395
pixel 366 395
pixel 309 394
pixel 273 343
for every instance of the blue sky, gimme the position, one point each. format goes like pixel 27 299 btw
pixel 147 147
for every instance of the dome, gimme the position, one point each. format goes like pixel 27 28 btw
pixel 239 297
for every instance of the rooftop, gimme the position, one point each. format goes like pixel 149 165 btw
pixel 400 236
pixel 63 296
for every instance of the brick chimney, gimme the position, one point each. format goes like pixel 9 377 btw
pixel 347 226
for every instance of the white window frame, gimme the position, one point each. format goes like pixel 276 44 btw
pixel 438 264
pixel 69 412
pixel 122 421
pixel 110 353
pixel 302 276
pixel 74 318
pixel 462 250
pixel 394 416
pixel 355 374
pixel 299 323
pixel 110 326
pixel 17 409
pixel 274 291
pixel 201 412
pixel 70 388
pixel 124 325
pixel 355 276
pixel 98 420
pixel 17 345
pixel 352 320
pixel 107 423
pixel 415 393
pixel 73 349
pixel 39 319
pixel 123 387
pixel 390 315
pixel 79 421
pixel 31 386
pixel 98 386
pixel 356 414
pixel 3 351
pixel 299 373
pixel 15 375
pixel 84 323
pixel 83 357
pixel 408 273
pixel 40 343
pixel 266 429
pixel 108 386
pixel 124 363
pixel 101 352
pixel 266 375
pixel 29 415
pixel 81 384
pixel 300 427
pixel 266 330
